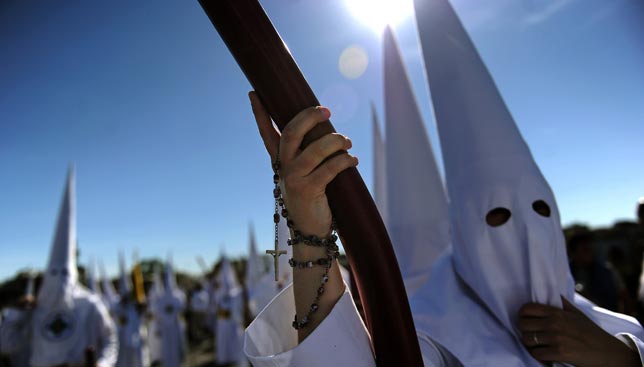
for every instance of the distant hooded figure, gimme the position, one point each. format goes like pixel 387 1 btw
pixel 132 334
pixel 168 308
pixel 67 318
pixel 229 316
pixel 154 333
pixel 109 295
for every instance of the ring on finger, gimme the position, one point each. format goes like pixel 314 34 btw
pixel 535 338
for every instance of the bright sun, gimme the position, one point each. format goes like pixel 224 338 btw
pixel 376 14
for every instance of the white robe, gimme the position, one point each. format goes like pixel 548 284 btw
pixel 62 335
pixel 132 337
pixel 342 339
pixel 168 309
pixel 229 328
pixel 263 293
pixel 154 339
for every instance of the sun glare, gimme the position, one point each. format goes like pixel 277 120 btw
pixel 376 14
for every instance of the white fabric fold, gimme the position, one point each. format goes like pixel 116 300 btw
pixel 340 340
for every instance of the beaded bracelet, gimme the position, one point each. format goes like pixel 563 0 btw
pixel 324 261
pixel 313 240
pixel 329 243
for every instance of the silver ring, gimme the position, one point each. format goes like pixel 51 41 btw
pixel 536 340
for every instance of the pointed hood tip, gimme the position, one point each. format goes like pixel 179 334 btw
pixel 63 247
pixel 388 31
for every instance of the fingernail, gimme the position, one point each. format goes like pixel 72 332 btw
pixel 325 111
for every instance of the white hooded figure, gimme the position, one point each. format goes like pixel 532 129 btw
pixel 168 308
pixel 199 310
pixel 109 295
pixel 416 204
pixel 259 294
pixel 154 333
pixel 269 288
pixel 67 319
pixel 506 247
pixel 228 343
pixel 131 331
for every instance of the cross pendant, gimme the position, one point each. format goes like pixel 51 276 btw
pixel 276 254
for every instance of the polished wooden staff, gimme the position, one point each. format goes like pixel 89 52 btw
pixel 271 70
pixel 90 357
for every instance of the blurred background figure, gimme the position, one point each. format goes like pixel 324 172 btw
pixel 595 280
pixel 155 292
pixel 229 334
pixel 133 350
pixel 65 319
pixel 198 310
pixel 169 309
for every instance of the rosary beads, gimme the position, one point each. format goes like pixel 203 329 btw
pixel 329 243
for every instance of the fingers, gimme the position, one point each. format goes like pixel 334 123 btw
pixel 537 310
pixel 568 306
pixel 536 339
pixel 267 131
pixel 532 324
pixel 318 151
pixel 294 132
pixel 326 172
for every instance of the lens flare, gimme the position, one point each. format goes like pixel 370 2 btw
pixel 376 14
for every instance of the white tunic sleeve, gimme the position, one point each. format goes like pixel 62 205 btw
pixel 340 340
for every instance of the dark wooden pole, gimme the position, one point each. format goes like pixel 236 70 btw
pixel 271 70
pixel 90 357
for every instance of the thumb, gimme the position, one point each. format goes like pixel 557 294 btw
pixel 267 131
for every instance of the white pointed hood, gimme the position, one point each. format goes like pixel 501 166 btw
pixel 169 280
pixel 498 262
pixel 254 266
pixel 92 283
pixel 31 279
pixel 417 212
pixel 125 282
pixel 205 278
pixel 156 290
pixel 227 279
pixel 109 294
pixel 379 167
pixel 61 274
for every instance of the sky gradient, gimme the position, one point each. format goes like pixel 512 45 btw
pixel 147 102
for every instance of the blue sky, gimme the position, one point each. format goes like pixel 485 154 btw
pixel 146 100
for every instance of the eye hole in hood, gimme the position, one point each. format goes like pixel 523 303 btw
pixel 541 208
pixel 497 216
